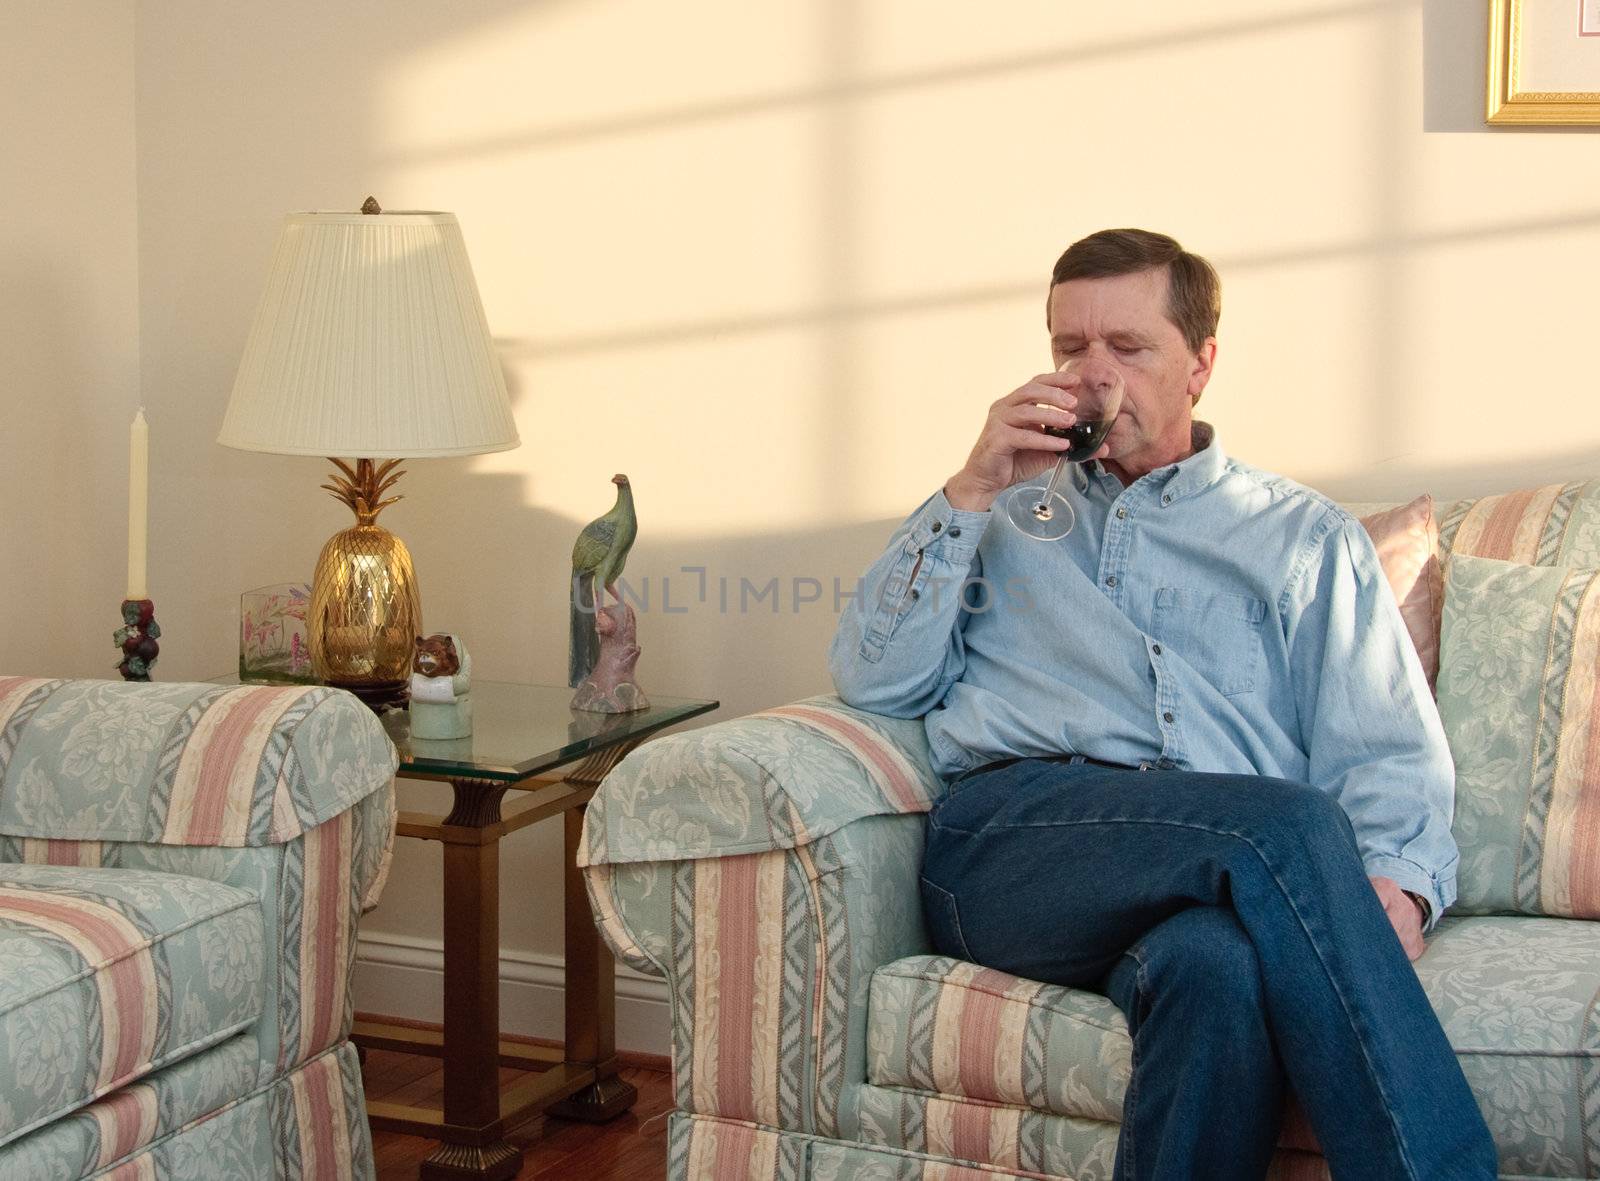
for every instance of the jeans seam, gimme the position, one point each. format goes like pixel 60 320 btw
pixel 1141 987
pixel 955 919
pixel 1350 1017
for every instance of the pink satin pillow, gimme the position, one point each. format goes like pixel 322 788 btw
pixel 1407 540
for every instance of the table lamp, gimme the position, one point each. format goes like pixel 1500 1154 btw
pixel 369 344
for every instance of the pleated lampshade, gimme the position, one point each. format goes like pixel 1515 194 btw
pixel 370 340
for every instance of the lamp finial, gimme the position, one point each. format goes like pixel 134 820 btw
pixel 370 205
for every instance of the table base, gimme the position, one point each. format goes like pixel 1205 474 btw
pixel 575 1081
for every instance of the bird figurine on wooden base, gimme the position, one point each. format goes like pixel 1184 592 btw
pixel 598 557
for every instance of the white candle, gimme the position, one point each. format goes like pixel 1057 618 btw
pixel 138 504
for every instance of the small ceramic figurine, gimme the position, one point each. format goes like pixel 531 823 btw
pixel 137 638
pixel 441 688
pixel 598 557
pixel 610 688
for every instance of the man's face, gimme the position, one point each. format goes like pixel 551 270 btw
pixel 1123 318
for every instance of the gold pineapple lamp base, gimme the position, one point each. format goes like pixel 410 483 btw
pixel 365 611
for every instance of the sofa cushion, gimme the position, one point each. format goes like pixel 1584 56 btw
pixel 1407 540
pixel 1517 687
pixel 1517 997
pixel 117 1125
pixel 942 1025
pixel 1557 525
pixel 110 974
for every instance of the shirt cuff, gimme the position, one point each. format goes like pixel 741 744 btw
pixel 1412 878
pixel 951 533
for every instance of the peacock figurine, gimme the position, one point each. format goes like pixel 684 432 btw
pixel 597 560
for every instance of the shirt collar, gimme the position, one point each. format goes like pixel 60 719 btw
pixel 1198 471
pixel 1187 476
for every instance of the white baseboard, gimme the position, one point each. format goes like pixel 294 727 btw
pixel 400 976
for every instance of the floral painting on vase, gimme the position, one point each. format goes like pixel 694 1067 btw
pixel 272 635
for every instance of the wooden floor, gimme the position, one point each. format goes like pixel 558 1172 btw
pixel 622 1150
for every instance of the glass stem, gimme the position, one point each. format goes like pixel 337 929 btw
pixel 1055 478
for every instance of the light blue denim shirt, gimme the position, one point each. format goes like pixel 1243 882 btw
pixel 1208 617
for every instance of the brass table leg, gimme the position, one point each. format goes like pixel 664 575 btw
pixel 472 1012
pixel 591 1001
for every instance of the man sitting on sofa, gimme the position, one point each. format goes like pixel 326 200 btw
pixel 1194 762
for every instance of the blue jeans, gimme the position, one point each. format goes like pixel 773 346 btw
pixel 1230 919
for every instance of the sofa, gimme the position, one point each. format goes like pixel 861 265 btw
pixel 182 868
pixel 767 868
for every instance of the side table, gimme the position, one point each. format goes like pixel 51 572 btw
pixel 522 735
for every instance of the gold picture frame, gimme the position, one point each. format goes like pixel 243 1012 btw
pixel 1508 102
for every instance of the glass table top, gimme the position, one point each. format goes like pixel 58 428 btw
pixel 523 730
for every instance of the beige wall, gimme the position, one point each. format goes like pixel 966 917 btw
pixel 69 330
pixel 773 261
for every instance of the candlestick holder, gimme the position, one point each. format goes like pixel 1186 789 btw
pixel 137 638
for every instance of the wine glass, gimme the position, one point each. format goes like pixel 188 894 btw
pixel 1044 514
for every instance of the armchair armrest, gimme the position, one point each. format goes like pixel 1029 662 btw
pixel 287 792
pixel 767 866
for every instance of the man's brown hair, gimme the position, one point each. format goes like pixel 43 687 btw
pixel 1194 293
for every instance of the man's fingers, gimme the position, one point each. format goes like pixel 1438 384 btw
pixel 1030 415
pixel 1032 439
pixel 1047 387
pixel 1063 381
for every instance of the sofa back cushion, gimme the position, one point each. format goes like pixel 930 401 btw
pixel 1517 695
pixel 1407 540
pixel 1557 525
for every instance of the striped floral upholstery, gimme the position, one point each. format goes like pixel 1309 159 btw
pixel 660 806
pixel 110 976
pixel 205 1117
pixel 953 1028
pixel 796 1010
pixel 280 795
pixel 118 1125
pixel 701 1147
pixel 181 764
pixel 975 1064
pixel 1518 702
pixel 1557 525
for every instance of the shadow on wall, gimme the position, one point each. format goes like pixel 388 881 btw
pixel 49 398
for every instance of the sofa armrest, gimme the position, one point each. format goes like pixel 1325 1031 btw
pixel 767 867
pixel 778 779
pixel 769 959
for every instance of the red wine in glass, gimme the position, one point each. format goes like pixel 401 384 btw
pixel 1044 514
pixel 1086 438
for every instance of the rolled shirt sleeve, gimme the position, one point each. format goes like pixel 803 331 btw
pixel 898 646
pixel 1368 721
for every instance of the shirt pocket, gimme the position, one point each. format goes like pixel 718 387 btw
pixel 1217 632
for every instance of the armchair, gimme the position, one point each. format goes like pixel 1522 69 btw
pixel 182 868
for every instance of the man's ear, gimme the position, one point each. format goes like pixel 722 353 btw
pixel 1204 365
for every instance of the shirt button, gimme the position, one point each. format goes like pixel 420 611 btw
pixel 937 526
pixel 1111 580
pixel 1156 648
pixel 915 593
pixel 1167 499
pixel 1167 717
pixel 1122 513
pixel 955 531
